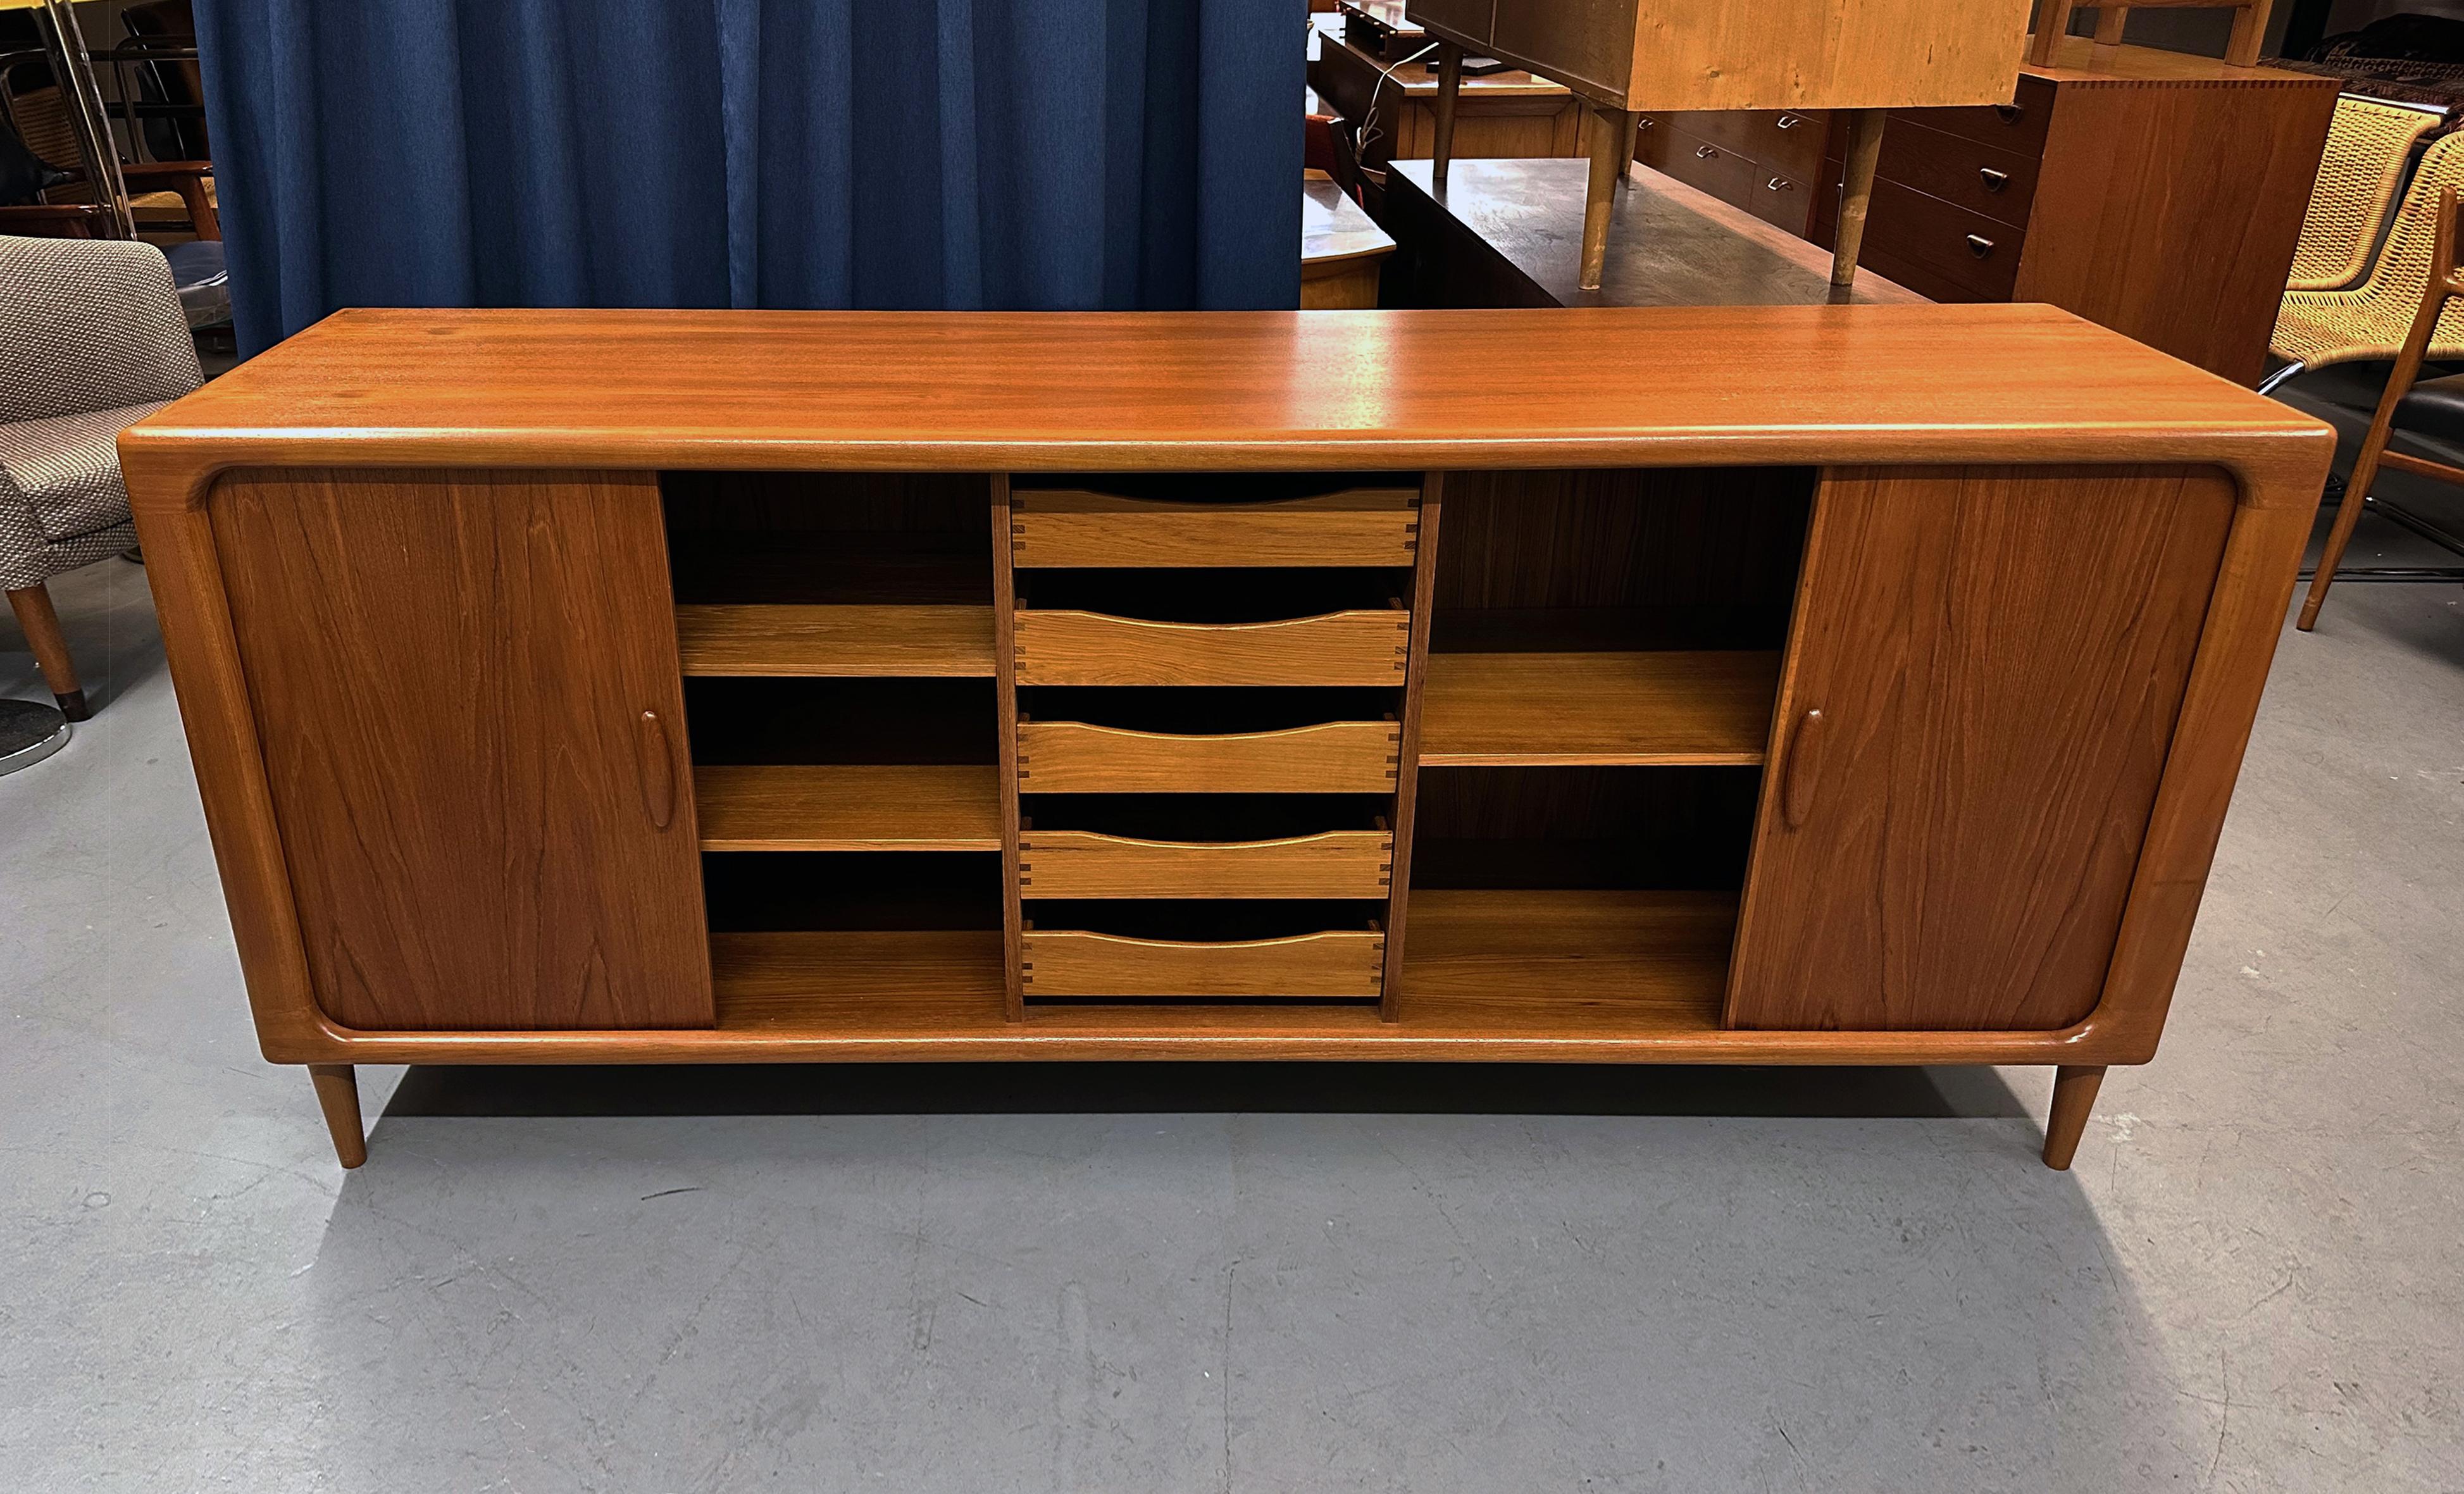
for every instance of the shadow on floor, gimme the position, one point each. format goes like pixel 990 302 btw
pixel 1183 1088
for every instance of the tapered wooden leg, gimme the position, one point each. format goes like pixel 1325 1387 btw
pixel 1450 60
pixel 1856 191
pixel 2074 1095
pixel 1611 153
pixel 32 605
pixel 338 1091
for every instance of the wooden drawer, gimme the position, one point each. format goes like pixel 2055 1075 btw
pixel 1995 183
pixel 1334 758
pixel 1355 864
pixel 1786 201
pixel 1700 164
pixel 1361 526
pixel 1338 963
pixel 1787 141
pixel 1967 249
pixel 2018 126
pixel 1359 646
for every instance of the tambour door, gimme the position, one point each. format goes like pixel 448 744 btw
pixel 1981 687
pixel 476 752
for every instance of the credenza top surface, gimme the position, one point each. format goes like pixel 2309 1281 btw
pixel 1217 390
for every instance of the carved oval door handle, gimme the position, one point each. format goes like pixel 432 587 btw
pixel 1796 781
pixel 658 765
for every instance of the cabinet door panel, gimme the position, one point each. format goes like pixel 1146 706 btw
pixel 466 688
pixel 1981 687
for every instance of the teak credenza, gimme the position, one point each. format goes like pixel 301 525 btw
pixel 1835 684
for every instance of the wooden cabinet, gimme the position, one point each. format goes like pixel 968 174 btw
pixel 1354 685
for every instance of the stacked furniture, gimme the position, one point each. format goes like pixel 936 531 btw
pixel 635 687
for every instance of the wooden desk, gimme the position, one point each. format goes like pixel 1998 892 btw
pixel 1510 234
pixel 1755 685
pixel 1342 251
pixel 1509 114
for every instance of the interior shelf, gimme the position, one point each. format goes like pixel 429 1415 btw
pixel 848 806
pixel 901 981
pixel 1537 710
pixel 895 640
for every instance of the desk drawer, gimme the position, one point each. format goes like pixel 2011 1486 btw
pixel 1339 864
pixel 1334 758
pixel 1722 171
pixel 1785 201
pixel 1359 646
pixel 1789 142
pixel 2018 126
pixel 1995 183
pixel 1337 964
pixel 1977 254
pixel 1361 526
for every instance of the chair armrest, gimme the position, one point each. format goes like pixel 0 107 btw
pixel 55 220
pixel 165 171
pixel 187 178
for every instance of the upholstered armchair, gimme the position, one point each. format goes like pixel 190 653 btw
pixel 92 338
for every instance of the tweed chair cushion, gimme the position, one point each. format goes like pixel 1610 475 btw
pixel 88 324
pixel 66 470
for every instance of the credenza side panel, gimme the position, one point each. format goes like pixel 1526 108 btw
pixel 1982 683
pixel 467 694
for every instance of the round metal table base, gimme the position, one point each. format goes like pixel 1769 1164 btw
pixel 30 733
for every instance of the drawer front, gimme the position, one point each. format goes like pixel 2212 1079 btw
pixel 1995 183
pixel 1336 758
pixel 1061 963
pixel 1785 201
pixel 2017 127
pixel 1363 526
pixel 1969 250
pixel 1789 142
pixel 1359 647
pixel 1722 172
pixel 1349 864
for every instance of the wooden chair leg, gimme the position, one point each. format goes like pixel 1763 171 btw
pixel 337 1093
pixel 2075 1088
pixel 2348 513
pixel 1856 191
pixel 1442 138
pixel 32 605
pixel 1612 154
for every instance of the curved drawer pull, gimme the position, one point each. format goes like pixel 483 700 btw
pixel 1994 181
pixel 1789 121
pixel 1979 245
pixel 2009 112
pixel 658 765
pixel 1643 121
pixel 1706 152
pixel 1779 184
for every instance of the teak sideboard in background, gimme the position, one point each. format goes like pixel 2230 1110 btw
pixel 704 686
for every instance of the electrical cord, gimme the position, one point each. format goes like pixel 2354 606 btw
pixel 1369 120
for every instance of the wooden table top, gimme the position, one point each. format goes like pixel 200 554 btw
pixel 1057 391
pixel 2075 60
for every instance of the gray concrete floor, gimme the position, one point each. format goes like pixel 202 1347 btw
pixel 929 1278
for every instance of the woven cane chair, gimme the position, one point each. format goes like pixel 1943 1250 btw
pixel 2440 287
pixel 91 339
pixel 2368 147
pixel 2316 328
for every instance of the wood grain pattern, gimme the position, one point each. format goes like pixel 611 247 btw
pixel 1171 391
pixel 1364 526
pixel 836 640
pixel 1331 758
pixel 1969 742
pixel 839 806
pixel 1358 645
pixel 446 671
pixel 1586 961
pixel 1333 964
pixel 1337 863
pixel 1505 710
pixel 887 981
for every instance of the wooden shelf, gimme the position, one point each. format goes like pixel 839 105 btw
pixel 1515 963
pixel 892 640
pixel 839 982
pixel 1545 710
pixel 865 806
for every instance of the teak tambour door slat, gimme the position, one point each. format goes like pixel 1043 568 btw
pixel 1333 758
pixel 1968 742
pixel 476 749
pixel 1356 647
pixel 1360 526
pixel 1337 863
pixel 1334 965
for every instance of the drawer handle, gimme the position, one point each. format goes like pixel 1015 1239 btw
pixel 1979 245
pixel 2009 112
pixel 658 765
pixel 1779 184
pixel 1643 123
pixel 1706 152
pixel 1789 121
pixel 1994 181
pixel 1796 792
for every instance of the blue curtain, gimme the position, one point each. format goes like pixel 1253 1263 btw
pixel 994 154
